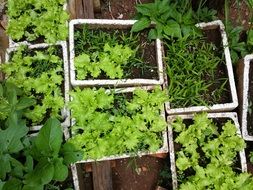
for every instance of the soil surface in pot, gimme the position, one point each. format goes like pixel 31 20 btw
pixel 135 174
pixel 119 9
pixel 250 103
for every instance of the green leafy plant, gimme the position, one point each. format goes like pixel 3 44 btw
pixel 109 61
pixel 170 18
pixel 30 162
pixel 191 66
pixel 39 73
pixel 101 53
pixel 30 20
pixel 109 124
pixel 208 152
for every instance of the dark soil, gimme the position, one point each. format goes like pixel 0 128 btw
pixel 136 174
pixel 119 9
pixel 250 99
pixel 249 148
pixel 133 69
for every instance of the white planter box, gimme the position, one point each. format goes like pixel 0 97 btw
pixel 13 44
pixel 64 112
pixel 243 94
pixel 163 149
pixel 113 24
pixel 230 115
pixel 216 107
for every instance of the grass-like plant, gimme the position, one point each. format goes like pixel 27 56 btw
pixel 191 66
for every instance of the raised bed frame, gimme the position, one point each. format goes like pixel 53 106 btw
pixel 216 107
pixel 163 149
pixel 64 112
pixel 114 24
pixel 243 93
pixel 229 115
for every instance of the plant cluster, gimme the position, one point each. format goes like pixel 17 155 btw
pixel 191 66
pixel 29 162
pixel 101 53
pixel 39 74
pixel 172 18
pixel 109 124
pixel 208 153
pixel 30 20
pixel 110 61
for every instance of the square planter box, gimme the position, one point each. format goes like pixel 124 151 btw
pixel 163 149
pixel 113 25
pixel 214 25
pixel 245 88
pixel 13 43
pixel 64 112
pixel 229 115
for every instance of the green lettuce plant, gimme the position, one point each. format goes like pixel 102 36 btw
pixel 207 154
pixel 109 124
pixel 39 73
pixel 30 20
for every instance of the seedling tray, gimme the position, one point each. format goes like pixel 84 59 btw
pixel 163 149
pixel 64 112
pixel 229 115
pixel 244 86
pixel 113 25
pixel 216 107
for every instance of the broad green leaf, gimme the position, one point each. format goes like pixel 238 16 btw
pixel 25 103
pixel 5 166
pixel 60 170
pixel 70 154
pixel 42 174
pixel 141 24
pixel 49 138
pixel 152 35
pixel 172 29
pixel 13 184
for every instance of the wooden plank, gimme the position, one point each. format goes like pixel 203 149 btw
pixel 88 9
pixel 102 175
pixel 80 176
pixel 79 8
pixel 72 8
pixel 97 6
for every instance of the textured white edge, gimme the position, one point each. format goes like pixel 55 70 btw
pixel 163 149
pixel 229 115
pixel 64 111
pixel 245 100
pixel 12 43
pixel 216 107
pixel 113 82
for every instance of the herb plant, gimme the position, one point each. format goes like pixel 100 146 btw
pixel 30 20
pixel 101 53
pixel 29 162
pixel 191 66
pixel 109 124
pixel 39 73
pixel 208 152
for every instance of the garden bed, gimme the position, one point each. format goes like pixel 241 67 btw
pixel 219 119
pixel 245 92
pixel 124 119
pixel 115 76
pixel 228 101
pixel 24 75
